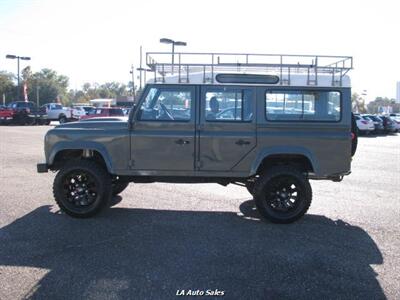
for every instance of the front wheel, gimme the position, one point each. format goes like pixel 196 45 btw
pixel 283 194
pixel 82 188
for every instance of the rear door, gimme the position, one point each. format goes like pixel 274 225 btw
pixel 227 131
pixel 163 135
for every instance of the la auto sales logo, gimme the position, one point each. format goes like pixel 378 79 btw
pixel 214 293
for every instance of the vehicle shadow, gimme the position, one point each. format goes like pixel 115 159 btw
pixel 151 254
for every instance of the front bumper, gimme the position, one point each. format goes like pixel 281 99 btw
pixel 42 168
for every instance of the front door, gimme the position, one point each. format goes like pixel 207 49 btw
pixel 227 128
pixel 163 134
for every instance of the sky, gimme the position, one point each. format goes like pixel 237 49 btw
pixel 98 41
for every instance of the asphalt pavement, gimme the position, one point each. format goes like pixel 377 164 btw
pixel 161 239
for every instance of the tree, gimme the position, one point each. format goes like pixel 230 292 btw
pixel 48 83
pixel 358 103
pixel 93 91
pixel 7 86
pixel 376 106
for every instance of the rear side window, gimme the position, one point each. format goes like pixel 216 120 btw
pixel 22 104
pixel 55 106
pixel 228 104
pixel 116 112
pixel 303 106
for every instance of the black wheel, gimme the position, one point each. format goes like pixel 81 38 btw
pixel 19 119
pixel 283 194
pixel 62 119
pixel 118 186
pixel 47 122
pixel 82 188
pixel 30 121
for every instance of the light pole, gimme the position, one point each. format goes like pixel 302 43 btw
pixel 10 56
pixel 144 70
pixel 173 43
pixel 37 95
pixel 133 81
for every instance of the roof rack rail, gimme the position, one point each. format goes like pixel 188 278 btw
pixel 182 64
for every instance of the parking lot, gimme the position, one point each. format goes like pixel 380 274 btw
pixel 160 238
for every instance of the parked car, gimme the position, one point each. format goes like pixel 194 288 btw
pixel 388 124
pixel 102 112
pixel 272 153
pixel 78 111
pixel 364 125
pixel 378 123
pixel 396 121
pixel 127 110
pixel 23 113
pixel 56 112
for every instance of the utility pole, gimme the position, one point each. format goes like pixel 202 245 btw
pixel 140 68
pixel 37 96
pixel 133 82
pixel 4 99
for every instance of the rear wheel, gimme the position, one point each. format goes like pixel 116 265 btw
pixel 82 188
pixel 283 194
pixel 30 121
pixel 62 119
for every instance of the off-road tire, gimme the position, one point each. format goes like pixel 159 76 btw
pixel 97 174
pixel 118 186
pixel 265 185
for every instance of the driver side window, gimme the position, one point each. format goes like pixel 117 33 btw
pixel 166 105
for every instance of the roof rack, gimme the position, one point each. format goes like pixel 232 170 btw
pixel 183 64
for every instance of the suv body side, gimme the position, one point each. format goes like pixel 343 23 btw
pixel 197 147
pixel 217 150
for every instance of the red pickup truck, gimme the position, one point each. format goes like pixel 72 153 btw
pixel 6 115
pixel 23 113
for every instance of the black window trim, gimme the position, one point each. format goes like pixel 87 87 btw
pixel 302 90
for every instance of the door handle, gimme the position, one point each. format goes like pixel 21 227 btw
pixel 181 142
pixel 242 142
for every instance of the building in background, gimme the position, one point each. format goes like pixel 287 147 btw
pixel 398 92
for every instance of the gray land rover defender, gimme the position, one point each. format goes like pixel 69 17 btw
pixel 267 122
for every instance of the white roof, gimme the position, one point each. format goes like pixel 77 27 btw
pixel 323 80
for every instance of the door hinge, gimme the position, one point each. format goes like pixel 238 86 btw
pixel 131 163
